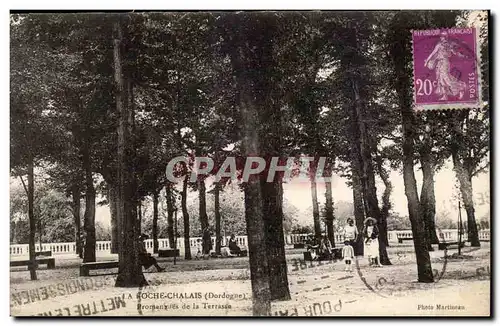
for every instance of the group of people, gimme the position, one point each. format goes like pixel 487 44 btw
pixel 369 235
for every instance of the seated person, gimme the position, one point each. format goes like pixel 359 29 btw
pixel 145 258
pixel 325 246
pixel 233 246
pixel 312 245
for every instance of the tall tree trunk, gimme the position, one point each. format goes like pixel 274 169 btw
pixel 155 222
pixel 329 212
pixel 427 198
pixel 368 174
pixel 75 194
pixel 139 216
pixel 130 270
pixel 417 224
pixel 386 198
pixel 465 181
pixel 315 207
pixel 401 55
pixel 272 196
pixel 31 216
pixel 185 217
pixel 202 201
pixel 244 56
pixel 170 214
pixel 218 235
pixel 113 207
pixel 359 210
pixel 89 215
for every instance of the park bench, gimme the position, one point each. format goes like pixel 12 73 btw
pixel 299 245
pixel 49 261
pixel 86 267
pixel 168 253
pixel 46 253
pixel 445 245
pixel 401 238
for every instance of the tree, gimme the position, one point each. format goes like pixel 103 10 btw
pixel 246 33
pixel 400 53
pixel 130 271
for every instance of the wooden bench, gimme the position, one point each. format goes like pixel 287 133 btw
pixel 168 253
pixel 444 245
pixel 46 253
pixel 86 267
pixel 49 261
pixel 402 238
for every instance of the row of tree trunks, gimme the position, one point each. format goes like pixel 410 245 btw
pixel 185 216
pixel 170 214
pixel 130 271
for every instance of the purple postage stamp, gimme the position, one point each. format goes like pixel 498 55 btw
pixel 446 68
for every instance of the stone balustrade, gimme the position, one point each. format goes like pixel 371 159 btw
pixel 104 247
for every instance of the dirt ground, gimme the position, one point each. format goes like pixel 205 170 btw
pixel 221 287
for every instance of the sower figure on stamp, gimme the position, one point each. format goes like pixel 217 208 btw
pixel 145 257
pixel 370 236
pixel 439 60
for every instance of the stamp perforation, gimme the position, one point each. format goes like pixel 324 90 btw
pixel 461 105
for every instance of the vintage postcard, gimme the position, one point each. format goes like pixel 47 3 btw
pixel 250 163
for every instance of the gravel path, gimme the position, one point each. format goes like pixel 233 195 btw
pixel 315 289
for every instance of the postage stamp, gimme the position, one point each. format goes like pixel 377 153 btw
pixel 212 164
pixel 446 72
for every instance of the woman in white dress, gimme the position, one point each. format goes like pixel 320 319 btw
pixel 370 236
pixel 350 232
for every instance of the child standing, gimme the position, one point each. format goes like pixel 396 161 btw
pixel 348 255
